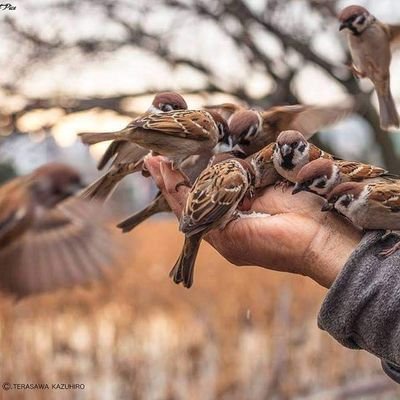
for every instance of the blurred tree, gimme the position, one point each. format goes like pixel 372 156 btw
pixel 272 38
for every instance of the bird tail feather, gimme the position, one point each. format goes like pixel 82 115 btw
pixel 183 270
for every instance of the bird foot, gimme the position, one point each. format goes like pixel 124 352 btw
pixel 356 72
pixel 185 183
pixel 283 184
pixel 391 250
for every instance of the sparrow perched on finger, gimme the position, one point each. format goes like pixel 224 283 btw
pixel 127 157
pixel 252 130
pixel 292 152
pixel 175 134
pixel 322 175
pixel 369 41
pixel 211 204
pixel 49 238
pixel 368 206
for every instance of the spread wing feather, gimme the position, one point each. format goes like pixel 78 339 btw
pixel 66 246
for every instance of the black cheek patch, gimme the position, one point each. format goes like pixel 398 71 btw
pixel 320 185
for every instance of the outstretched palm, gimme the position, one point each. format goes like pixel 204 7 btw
pixel 296 237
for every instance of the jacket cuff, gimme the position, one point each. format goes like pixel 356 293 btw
pixel 361 308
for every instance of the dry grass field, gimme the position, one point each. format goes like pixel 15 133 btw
pixel 239 333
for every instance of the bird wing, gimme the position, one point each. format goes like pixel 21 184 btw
pixel 65 246
pixel 304 118
pixel 316 153
pixel 385 195
pixel 226 110
pixel 195 125
pixel 214 195
pixel 359 171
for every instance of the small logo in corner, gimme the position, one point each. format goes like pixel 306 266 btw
pixel 7 7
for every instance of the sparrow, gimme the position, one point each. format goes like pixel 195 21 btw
pixel 175 134
pixel 48 238
pixel 292 152
pixel 322 175
pixel 128 157
pixel 252 130
pixel 369 41
pixel 368 206
pixel 212 203
pixel 265 173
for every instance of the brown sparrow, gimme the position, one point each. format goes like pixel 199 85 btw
pixel 369 42
pixel 128 157
pixel 322 175
pixel 49 239
pixel 368 206
pixel 292 152
pixel 175 134
pixel 252 130
pixel 211 204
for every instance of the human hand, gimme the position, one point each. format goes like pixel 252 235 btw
pixel 297 237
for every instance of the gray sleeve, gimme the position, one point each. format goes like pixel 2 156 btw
pixel 362 308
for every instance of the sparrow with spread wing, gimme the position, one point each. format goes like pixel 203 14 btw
pixel 252 130
pixel 48 238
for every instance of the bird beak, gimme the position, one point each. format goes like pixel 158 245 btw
pixel 327 207
pixel 237 149
pixel 343 25
pixel 285 150
pixel 299 187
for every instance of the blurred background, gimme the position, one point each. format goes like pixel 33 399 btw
pixel 69 66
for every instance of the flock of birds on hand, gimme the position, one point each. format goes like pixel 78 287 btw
pixel 50 232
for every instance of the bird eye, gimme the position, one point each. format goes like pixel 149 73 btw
pixel 295 144
pixel 166 107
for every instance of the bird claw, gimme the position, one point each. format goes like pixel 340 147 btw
pixel 283 184
pixel 389 251
pixel 185 183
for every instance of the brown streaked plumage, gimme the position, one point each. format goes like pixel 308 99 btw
pixel 175 134
pixel 252 130
pixel 368 206
pixel 369 41
pixel 211 204
pixel 322 175
pixel 49 239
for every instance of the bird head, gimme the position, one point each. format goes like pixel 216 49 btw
pixel 167 101
pixel 344 196
pixel 245 127
pixel 356 19
pixel 291 149
pixel 318 176
pixel 55 182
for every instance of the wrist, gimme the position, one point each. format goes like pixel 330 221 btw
pixel 330 250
